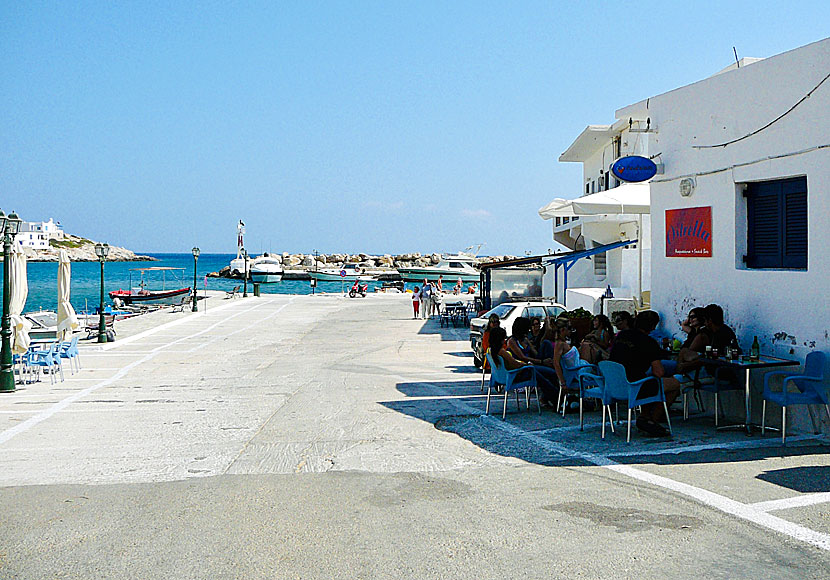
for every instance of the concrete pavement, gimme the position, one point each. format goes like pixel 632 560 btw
pixel 295 437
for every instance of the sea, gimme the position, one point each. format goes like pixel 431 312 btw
pixel 85 285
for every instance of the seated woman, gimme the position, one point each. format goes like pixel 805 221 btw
pixel 492 322
pixel 536 332
pixel 596 344
pixel 688 359
pixel 564 355
pixel 523 350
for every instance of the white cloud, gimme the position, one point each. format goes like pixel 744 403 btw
pixel 476 213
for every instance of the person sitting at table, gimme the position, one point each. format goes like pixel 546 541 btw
pixel 595 345
pixel 719 337
pixel 563 353
pixel 623 320
pixel 688 358
pixel 523 350
pixel 640 354
pixel 492 322
pixel 536 332
pixel 458 287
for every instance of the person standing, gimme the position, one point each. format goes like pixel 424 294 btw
pixel 439 286
pixel 426 299
pixel 416 301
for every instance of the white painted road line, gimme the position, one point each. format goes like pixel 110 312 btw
pixel 792 502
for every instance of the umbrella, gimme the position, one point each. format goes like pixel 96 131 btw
pixel 67 321
pixel 18 291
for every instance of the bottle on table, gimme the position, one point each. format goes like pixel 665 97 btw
pixel 755 350
pixel 735 349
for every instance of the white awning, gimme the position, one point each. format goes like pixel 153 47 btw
pixel 629 198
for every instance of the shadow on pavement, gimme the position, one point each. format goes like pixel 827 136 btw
pixel 807 479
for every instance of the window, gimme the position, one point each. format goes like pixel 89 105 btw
pixel 777 224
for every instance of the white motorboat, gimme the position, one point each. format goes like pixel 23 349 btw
pixel 265 269
pixel 451 267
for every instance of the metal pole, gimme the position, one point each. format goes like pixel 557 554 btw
pixel 6 370
pixel 245 274
pixel 640 261
pixel 195 290
pixel 102 321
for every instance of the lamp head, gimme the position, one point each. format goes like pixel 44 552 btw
pixel 2 221
pixel 196 252
pixel 106 248
pixel 13 223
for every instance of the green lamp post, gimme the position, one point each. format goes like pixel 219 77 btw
pixel 102 250
pixel 9 226
pixel 245 274
pixel 196 252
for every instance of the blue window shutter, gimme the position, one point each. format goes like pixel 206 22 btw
pixel 794 194
pixel 764 216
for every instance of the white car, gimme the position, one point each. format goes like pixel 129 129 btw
pixel 507 313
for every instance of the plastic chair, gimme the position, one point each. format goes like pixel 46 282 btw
pixel 810 390
pixel 618 388
pixel 524 377
pixel 720 382
pixel 69 350
pixel 48 359
pixel 591 386
pixel 571 375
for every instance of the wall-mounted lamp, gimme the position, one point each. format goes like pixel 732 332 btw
pixel 687 186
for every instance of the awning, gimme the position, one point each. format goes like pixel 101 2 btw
pixel 629 198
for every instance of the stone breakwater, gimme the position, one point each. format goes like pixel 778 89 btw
pixel 297 265
pixel 83 250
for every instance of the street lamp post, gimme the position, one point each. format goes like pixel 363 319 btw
pixel 195 259
pixel 9 227
pixel 102 250
pixel 245 274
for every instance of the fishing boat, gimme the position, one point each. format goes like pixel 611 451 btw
pixel 451 267
pixel 349 272
pixel 141 295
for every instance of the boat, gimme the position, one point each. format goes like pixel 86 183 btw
pixel 451 267
pixel 44 325
pixel 264 269
pixel 349 272
pixel 140 294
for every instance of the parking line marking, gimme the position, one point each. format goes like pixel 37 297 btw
pixel 792 502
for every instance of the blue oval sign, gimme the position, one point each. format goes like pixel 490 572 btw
pixel 634 168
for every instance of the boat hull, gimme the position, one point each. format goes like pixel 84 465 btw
pixel 150 297
pixel 336 277
pixel 266 277
pixel 419 274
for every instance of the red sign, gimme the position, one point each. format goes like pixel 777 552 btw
pixel 689 232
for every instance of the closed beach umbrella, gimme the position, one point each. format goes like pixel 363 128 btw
pixel 67 320
pixel 18 292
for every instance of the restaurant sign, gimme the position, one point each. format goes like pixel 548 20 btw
pixel 689 232
pixel 634 168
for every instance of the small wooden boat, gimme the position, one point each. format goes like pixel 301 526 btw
pixel 141 295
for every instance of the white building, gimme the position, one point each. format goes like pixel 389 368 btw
pixel 740 211
pixel 36 235
pixel 625 269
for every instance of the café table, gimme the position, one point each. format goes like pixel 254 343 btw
pixel 746 366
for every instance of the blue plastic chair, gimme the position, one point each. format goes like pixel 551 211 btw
pixel 619 389
pixel 571 375
pixel 47 359
pixel 69 350
pixel 810 390
pixel 720 382
pixel 591 386
pixel 524 377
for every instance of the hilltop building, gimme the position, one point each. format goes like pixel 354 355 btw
pixel 36 235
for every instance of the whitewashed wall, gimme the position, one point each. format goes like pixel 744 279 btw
pixel 787 310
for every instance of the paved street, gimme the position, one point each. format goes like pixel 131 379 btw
pixel 322 437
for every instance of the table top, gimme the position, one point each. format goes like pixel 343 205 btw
pixel 764 361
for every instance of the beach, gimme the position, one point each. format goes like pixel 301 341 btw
pixel 322 437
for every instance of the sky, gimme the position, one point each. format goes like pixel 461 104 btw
pixel 382 127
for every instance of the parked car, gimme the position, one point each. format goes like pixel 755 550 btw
pixel 508 312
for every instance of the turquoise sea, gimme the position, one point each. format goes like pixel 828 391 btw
pixel 86 277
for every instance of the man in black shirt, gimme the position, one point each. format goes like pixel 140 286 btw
pixel 720 336
pixel 640 355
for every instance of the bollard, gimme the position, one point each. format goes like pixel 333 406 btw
pixel 256 288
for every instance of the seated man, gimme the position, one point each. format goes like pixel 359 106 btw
pixel 718 336
pixel 639 353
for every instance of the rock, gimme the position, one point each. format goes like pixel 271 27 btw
pixel 292 261
pixel 435 258
pixel 308 261
pixel 83 250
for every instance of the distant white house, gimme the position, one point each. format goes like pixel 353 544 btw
pixel 36 235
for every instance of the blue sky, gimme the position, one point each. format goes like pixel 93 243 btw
pixel 361 126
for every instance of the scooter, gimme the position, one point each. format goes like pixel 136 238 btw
pixel 358 289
